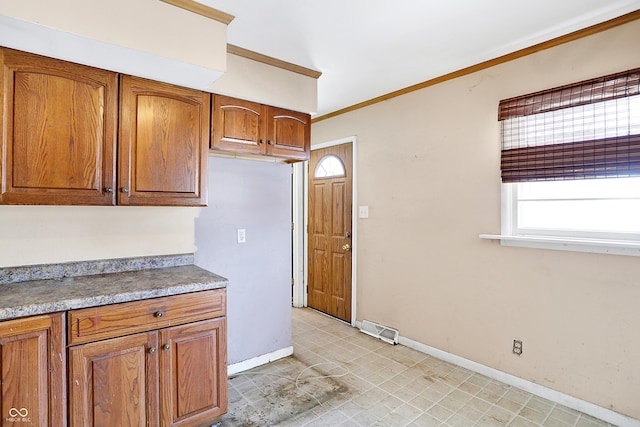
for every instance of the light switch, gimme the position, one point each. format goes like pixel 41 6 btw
pixel 364 212
pixel 242 235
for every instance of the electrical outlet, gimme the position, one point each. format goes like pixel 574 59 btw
pixel 242 235
pixel 517 347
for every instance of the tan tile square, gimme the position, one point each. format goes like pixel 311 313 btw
pixel 470 413
pixel 457 420
pixel 421 402
pixel 460 395
pixel 532 415
pixel 426 420
pixel 553 422
pixel 509 405
pixel 394 419
pixel 433 394
pixel 566 415
pixel 540 405
pixel 589 421
pixel 409 411
pixel 469 387
pixel 349 409
pixel 479 404
pixel 391 403
pixel 390 386
pixel 366 418
pixel 333 418
pixel 522 422
pixel 499 415
pixel 406 394
pixel 451 403
pixel 440 412
pixel 489 396
pixel 518 395
pixel 479 379
pixel 370 398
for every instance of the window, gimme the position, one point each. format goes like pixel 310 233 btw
pixel 571 164
pixel 330 166
pixel 594 208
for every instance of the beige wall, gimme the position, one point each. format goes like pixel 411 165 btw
pixel 428 168
pixel 263 83
pixel 51 234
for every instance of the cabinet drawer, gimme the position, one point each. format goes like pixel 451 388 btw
pixel 98 323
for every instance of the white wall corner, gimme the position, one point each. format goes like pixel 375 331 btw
pixel 245 365
pixel 57 43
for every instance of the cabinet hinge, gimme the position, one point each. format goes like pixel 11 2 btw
pixel 293 226
pixel 292 281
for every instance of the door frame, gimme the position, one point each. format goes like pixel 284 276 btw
pixel 300 214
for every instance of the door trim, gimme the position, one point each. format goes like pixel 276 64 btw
pixel 301 217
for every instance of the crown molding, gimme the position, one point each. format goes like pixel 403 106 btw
pixel 201 9
pixel 594 29
pixel 258 57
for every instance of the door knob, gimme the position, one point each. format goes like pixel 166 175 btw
pixel 346 247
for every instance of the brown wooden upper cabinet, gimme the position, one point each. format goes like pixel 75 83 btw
pixel 164 139
pixel 246 127
pixel 59 123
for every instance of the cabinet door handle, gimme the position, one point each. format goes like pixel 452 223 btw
pixel 152 350
pixel 270 142
pixel 158 314
pixel 124 190
pixel 108 190
pixel 166 347
pixel 262 141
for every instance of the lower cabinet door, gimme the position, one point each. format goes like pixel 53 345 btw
pixel 193 365
pixel 115 382
pixel 32 368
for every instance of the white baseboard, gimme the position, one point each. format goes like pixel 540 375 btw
pixel 531 387
pixel 260 360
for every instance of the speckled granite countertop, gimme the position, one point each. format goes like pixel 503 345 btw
pixel 60 292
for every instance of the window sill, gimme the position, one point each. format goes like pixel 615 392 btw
pixel 599 246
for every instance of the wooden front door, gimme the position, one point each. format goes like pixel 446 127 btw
pixel 330 190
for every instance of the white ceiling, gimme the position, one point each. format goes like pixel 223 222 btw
pixel 367 48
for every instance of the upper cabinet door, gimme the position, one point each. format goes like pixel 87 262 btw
pixel 163 144
pixel 58 122
pixel 246 127
pixel 238 125
pixel 289 134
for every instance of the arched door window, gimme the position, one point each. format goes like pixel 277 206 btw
pixel 330 166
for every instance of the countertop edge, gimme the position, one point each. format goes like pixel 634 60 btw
pixel 20 300
pixel 99 300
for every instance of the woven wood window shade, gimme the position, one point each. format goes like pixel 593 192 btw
pixel 584 130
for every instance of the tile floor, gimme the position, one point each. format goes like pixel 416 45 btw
pixel 339 376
